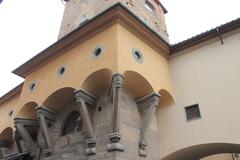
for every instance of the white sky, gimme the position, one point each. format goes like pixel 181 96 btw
pixel 29 26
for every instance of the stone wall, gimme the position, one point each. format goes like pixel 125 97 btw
pixel 79 11
pixel 73 146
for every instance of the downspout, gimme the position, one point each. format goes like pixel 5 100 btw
pixel 219 35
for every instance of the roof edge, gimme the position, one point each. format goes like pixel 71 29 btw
pixel 215 32
pixel 11 93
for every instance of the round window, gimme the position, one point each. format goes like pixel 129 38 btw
pixel 98 51
pixel 137 55
pixel 32 86
pixel 61 70
pixel 10 113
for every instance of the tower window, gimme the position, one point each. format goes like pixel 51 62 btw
pixel 73 124
pixel 192 112
pixel 150 7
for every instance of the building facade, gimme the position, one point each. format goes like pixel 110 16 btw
pixel 113 88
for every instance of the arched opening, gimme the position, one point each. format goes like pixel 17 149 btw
pixel 6 137
pixel 28 110
pixel 72 124
pixel 166 98
pixel 98 82
pixel 60 98
pixel 137 84
pixel 203 150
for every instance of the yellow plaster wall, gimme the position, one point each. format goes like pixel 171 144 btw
pixel 210 77
pixel 155 68
pixel 5 108
pixel 79 63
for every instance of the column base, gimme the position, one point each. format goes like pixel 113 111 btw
pixel 142 149
pixel 91 147
pixel 115 147
pixel 47 152
pixel 115 143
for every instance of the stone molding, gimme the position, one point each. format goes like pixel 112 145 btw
pixel 86 96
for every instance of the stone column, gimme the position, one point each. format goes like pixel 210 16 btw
pixel 115 136
pixel 20 124
pixel 83 98
pixel 16 138
pixel 46 116
pixel 147 107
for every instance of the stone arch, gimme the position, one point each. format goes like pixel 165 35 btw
pixel 59 98
pixel 203 150
pixel 28 110
pixel 137 84
pixel 98 82
pixel 166 98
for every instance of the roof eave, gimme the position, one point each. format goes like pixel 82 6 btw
pixel 225 28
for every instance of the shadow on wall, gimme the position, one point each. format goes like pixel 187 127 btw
pixel 28 111
pixel 58 99
pixel 203 150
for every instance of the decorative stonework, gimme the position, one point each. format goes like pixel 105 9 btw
pixel 147 107
pixel 46 116
pixel 83 98
pixel 115 137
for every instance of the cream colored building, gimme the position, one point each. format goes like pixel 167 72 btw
pixel 112 87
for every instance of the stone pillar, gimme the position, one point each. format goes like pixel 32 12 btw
pixel 16 138
pixel 147 107
pixel 20 124
pixel 115 136
pixel 46 116
pixel 83 98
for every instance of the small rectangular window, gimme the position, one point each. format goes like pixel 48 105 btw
pixel 192 112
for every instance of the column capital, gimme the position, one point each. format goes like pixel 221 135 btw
pixel 117 80
pixel 148 100
pixel 86 96
pixel 47 113
pixel 26 122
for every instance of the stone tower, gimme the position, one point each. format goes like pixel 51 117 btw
pixel 78 12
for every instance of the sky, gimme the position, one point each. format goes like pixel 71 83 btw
pixel 29 26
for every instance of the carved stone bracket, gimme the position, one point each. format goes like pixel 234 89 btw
pixel 83 98
pixel 46 117
pixel 147 107
pixel 21 124
pixel 115 137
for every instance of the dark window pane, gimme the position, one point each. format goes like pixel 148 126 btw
pixel 193 112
